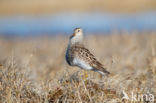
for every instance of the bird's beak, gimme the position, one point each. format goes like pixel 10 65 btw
pixel 72 35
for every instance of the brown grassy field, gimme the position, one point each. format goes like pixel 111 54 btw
pixel 33 70
pixel 55 6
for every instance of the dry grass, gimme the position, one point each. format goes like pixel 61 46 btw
pixel 54 6
pixel 33 70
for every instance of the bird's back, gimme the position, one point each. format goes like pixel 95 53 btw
pixel 83 55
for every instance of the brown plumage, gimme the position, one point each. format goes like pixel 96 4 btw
pixel 88 57
pixel 78 55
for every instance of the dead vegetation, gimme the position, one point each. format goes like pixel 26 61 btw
pixel 55 6
pixel 33 70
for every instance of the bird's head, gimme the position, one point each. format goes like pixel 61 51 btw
pixel 77 36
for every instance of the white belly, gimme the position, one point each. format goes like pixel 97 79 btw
pixel 80 63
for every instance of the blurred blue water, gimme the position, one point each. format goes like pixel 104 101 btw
pixel 66 22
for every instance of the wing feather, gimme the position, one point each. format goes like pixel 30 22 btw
pixel 88 57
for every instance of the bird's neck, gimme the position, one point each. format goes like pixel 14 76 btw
pixel 75 44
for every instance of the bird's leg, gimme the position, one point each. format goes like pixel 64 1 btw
pixel 74 76
pixel 84 74
pixel 76 73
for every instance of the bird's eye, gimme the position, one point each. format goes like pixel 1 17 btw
pixel 78 30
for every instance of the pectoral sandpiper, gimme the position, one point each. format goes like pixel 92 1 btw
pixel 78 55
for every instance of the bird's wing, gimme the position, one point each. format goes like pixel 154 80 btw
pixel 88 57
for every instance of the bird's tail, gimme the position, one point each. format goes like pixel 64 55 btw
pixel 105 71
pixel 102 71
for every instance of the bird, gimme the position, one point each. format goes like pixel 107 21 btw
pixel 78 55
